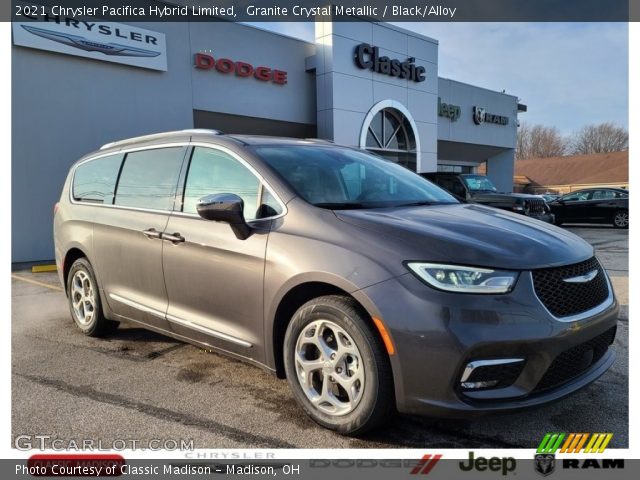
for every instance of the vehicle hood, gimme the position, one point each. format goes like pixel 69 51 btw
pixel 471 234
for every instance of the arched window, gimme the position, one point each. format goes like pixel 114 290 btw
pixel 389 134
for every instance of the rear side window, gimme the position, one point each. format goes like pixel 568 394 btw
pixel 95 180
pixel 603 195
pixel 213 171
pixel 149 178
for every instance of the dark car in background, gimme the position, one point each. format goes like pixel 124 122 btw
pixel 479 189
pixel 595 205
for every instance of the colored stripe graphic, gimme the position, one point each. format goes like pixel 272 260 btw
pixel 574 443
pixel 550 443
pixel 598 442
pixel 426 464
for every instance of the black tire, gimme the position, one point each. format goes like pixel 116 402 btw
pixel 620 219
pixel 376 402
pixel 94 324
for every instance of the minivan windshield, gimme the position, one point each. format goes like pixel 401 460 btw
pixel 479 183
pixel 341 178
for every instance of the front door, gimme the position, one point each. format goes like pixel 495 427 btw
pixel 214 280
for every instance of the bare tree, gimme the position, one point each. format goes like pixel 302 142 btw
pixel 538 141
pixel 602 138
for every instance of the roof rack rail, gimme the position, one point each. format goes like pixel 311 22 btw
pixel 155 136
pixel 321 140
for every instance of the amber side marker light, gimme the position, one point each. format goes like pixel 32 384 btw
pixel 386 338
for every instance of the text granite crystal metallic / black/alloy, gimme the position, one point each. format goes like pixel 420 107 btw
pixel 343 272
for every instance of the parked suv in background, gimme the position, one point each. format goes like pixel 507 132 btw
pixel 479 189
pixel 368 287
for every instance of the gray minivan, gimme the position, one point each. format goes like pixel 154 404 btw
pixel 369 288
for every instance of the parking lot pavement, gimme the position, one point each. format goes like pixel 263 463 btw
pixel 143 386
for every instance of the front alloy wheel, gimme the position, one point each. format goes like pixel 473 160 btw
pixel 329 367
pixel 337 366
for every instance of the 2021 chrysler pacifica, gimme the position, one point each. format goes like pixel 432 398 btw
pixel 369 288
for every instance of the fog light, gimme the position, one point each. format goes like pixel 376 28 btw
pixel 475 385
pixel 494 373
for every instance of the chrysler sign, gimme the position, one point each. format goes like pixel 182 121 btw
pixel 106 41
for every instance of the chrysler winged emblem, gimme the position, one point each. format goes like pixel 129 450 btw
pixel 587 277
pixel 83 43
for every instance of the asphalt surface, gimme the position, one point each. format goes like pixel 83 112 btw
pixel 138 386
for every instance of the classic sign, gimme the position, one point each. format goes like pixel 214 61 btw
pixel 368 57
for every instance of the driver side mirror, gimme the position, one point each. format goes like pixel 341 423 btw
pixel 227 208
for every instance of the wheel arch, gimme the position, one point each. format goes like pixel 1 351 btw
pixel 73 254
pixel 296 296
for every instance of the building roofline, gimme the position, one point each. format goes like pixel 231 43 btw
pixel 476 86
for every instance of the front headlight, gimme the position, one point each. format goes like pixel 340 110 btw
pixel 456 278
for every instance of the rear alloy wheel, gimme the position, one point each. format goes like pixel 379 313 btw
pixel 84 300
pixel 621 219
pixel 337 367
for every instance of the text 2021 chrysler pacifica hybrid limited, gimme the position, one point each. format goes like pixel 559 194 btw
pixel 368 287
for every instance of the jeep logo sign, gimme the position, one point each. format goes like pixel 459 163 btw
pixel 452 112
pixel 503 465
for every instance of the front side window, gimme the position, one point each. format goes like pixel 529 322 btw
pixel 576 197
pixel 213 171
pixel 343 178
pixel 95 181
pixel 149 178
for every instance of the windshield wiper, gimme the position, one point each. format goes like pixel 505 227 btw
pixel 423 203
pixel 339 205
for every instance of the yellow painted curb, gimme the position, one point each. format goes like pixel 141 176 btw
pixel 43 268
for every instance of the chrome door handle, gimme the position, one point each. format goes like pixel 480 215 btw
pixel 152 233
pixel 173 238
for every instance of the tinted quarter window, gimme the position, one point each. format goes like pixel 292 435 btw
pixel 603 194
pixel 95 180
pixel 269 206
pixel 213 171
pixel 149 178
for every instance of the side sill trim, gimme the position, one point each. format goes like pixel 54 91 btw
pixel 208 331
pixel 184 323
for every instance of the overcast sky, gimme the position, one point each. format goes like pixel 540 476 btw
pixel 568 74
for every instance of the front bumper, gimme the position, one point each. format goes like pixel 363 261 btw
pixel 545 217
pixel 436 334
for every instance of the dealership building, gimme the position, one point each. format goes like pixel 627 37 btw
pixel 78 85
